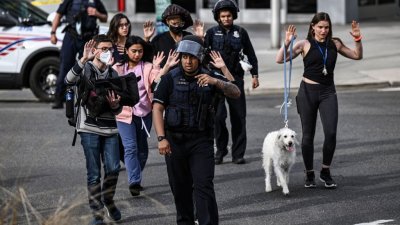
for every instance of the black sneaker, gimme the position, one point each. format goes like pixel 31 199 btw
pixel 309 181
pixel 325 177
pixel 135 189
pixel 239 161
pixel 113 212
pixel 219 157
pixel 57 105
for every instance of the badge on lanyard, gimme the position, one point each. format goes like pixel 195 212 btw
pixel 324 56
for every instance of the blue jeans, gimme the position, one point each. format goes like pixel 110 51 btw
pixel 134 139
pixel 99 148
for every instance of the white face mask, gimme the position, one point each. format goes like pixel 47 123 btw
pixel 105 57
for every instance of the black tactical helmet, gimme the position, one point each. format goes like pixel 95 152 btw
pixel 225 4
pixel 176 10
pixel 193 45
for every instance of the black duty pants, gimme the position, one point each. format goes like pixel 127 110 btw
pixel 190 169
pixel 71 46
pixel 237 113
pixel 310 99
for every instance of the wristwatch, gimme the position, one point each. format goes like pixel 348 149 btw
pixel 52 32
pixel 160 138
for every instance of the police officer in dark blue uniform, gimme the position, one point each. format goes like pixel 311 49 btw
pixel 81 17
pixel 185 134
pixel 234 44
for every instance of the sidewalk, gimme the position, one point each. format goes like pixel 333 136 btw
pixel 380 66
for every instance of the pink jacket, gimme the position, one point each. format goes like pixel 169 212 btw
pixel 149 74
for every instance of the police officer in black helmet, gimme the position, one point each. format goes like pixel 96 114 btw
pixel 177 19
pixel 234 44
pixel 185 134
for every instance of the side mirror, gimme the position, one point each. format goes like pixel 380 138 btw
pixel 7 21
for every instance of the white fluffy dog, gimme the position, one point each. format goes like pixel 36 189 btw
pixel 279 151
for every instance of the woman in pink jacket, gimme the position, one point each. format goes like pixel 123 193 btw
pixel 134 123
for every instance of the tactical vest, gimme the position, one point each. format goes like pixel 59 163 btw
pixel 229 46
pixel 81 24
pixel 190 107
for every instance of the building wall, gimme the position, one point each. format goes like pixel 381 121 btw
pixel 258 11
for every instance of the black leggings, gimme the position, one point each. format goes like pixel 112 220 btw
pixel 310 99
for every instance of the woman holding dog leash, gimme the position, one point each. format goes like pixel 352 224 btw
pixel 317 90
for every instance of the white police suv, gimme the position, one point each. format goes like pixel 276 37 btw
pixel 27 58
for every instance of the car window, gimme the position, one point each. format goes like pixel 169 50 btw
pixel 24 11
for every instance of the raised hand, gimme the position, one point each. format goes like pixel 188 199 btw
pixel 198 28
pixel 172 59
pixel 217 60
pixel 87 51
pixel 291 32
pixel 355 29
pixel 148 30
pixel 157 59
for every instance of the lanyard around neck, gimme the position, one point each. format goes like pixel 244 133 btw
pixel 324 56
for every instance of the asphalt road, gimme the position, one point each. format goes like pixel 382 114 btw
pixel 36 155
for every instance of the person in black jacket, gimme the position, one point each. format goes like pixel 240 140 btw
pixel 233 43
pixel 177 19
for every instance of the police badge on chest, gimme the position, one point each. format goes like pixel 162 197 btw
pixel 236 34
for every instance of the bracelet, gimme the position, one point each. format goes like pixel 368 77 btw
pixel 52 32
pixel 358 39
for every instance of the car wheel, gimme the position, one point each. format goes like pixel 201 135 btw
pixel 43 78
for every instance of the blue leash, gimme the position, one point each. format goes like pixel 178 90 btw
pixel 287 102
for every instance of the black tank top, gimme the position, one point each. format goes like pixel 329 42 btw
pixel 314 62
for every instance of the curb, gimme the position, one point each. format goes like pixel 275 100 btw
pixel 339 87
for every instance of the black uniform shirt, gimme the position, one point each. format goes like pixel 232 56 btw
pixel 164 43
pixel 66 6
pixel 225 45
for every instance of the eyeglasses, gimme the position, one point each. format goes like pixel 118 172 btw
pixel 105 49
pixel 122 25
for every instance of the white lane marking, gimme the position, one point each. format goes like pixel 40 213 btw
pixel 375 222
pixel 389 89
